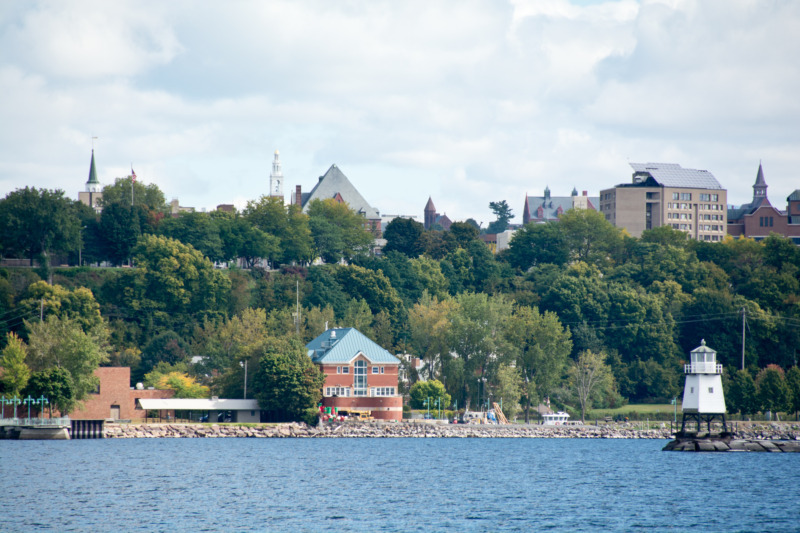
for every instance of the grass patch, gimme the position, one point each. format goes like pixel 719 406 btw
pixel 638 408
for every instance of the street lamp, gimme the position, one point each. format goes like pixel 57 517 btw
pixel 244 364
pixel 675 404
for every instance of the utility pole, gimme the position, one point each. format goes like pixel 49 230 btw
pixel 744 312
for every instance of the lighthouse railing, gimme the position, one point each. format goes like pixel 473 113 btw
pixel 702 368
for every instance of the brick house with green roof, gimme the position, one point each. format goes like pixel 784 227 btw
pixel 360 375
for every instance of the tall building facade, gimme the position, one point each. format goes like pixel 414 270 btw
pixel 688 200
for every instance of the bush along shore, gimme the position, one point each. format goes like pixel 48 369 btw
pixel 379 430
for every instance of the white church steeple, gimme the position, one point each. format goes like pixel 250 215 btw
pixel 276 177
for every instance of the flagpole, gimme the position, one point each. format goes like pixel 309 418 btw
pixel 133 180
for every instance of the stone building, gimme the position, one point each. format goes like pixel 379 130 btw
pixel 334 184
pixel 548 208
pixel 759 218
pixel 434 220
pixel 661 194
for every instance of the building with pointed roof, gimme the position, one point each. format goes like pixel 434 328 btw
pixel 759 218
pixel 360 376
pixel 434 220
pixel 94 191
pixel 660 194
pixel 548 208
pixel 334 184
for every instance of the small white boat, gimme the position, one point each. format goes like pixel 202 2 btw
pixel 556 419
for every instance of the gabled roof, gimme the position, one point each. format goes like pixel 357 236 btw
pixel 342 345
pixel 334 182
pixel 673 175
pixel 550 205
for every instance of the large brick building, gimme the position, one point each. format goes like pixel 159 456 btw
pixel 116 398
pixel 359 375
pixel 549 208
pixel 665 194
pixel 759 218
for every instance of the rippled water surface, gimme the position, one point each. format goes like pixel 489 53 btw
pixel 391 485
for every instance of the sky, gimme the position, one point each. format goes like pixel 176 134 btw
pixel 464 101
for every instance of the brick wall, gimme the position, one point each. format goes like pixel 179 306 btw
pixel 115 390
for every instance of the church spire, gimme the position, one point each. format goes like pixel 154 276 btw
pixel 760 186
pixel 92 185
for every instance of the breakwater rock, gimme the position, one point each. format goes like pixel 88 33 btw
pixel 777 438
pixel 379 430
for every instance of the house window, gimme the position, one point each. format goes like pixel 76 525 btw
pixel 686 196
pixel 381 370
pixel 374 369
pixel 360 378
pixel 711 390
pixel 338 370
pixel 675 196
pixel 383 391
pixel 705 197
pixel 337 391
pixel 691 390
pixel 715 197
pixel 345 370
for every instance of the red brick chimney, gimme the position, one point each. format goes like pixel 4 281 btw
pixel 298 196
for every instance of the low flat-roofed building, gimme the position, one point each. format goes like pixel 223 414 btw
pixel 660 194
pixel 214 409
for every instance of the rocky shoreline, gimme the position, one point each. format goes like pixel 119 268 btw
pixel 378 430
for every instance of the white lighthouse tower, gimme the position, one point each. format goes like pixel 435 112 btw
pixel 276 178
pixel 703 399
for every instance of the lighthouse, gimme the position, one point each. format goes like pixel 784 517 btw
pixel 703 399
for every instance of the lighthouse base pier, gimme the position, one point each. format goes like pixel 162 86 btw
pixel 727 442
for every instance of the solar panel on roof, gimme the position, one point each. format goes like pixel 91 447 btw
pixel 673 175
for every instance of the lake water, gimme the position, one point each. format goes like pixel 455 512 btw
pixel 391 485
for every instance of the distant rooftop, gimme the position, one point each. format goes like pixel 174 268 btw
pixel 673 175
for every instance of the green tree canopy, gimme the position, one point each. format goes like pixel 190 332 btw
pixel 543 346
pixel 37 223
pixel 62 343
pixel 172 280
pixel 15 373
pixel 199 230
pixel 337 230
pixel 148 196
pixel 424 394
pixel 503 213
pixel 588 375
pixel 55 384
pixel 403 235
pixel 286 381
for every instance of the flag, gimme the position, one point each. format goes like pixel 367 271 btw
pixel 133 175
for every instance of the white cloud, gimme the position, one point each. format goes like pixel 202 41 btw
pixel 467 101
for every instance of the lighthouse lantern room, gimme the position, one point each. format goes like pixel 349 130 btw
pixel 703 399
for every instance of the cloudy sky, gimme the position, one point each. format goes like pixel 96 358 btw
pixel 465 101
